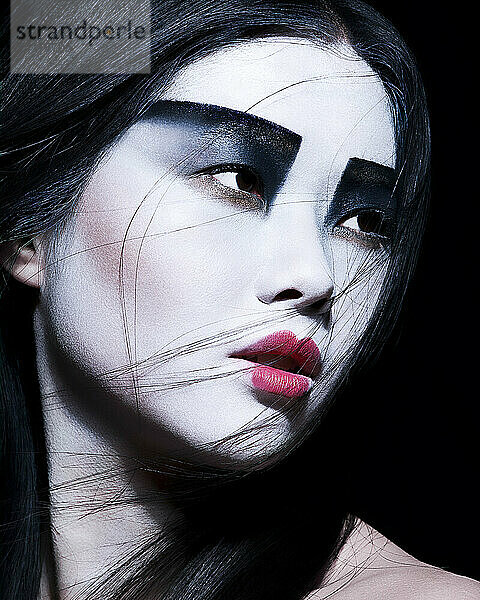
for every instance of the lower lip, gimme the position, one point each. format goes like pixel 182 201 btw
pixel 280 382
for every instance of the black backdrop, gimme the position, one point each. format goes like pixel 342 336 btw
pixel 415 425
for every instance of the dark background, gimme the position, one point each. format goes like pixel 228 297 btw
pixel 415 433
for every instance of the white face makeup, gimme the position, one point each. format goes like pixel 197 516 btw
pixel 210 262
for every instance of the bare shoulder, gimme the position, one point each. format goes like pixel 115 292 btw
pixel 371 567
pixel 409 583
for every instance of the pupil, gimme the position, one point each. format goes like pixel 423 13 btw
pixel 370 222
pixel 246 181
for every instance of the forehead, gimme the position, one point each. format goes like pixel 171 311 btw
pixel 328 95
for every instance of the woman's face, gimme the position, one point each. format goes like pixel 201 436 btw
pixel 245 201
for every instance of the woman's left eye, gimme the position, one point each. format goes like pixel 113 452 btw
pixel 369 227
pixel 369 222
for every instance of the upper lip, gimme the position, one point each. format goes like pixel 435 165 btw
pixel 303 354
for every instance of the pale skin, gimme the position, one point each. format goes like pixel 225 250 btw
pixel 175 293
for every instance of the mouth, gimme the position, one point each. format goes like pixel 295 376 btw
pixel 283 364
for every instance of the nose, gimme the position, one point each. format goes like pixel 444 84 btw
pixel 295 271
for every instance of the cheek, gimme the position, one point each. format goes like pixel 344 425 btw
pixel 147 262
pixel 359 275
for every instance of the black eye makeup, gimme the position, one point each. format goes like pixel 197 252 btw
pixel 239 157
pixel 364 207
pixel 242 159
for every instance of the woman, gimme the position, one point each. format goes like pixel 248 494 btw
pixel 194 262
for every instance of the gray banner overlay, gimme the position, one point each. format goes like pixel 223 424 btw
pixel 65 36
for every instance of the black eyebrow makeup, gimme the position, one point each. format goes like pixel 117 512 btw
pixel 365 185
pixel 197 136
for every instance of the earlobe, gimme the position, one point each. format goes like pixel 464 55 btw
pixel 24 261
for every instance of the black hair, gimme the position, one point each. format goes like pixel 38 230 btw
pixel 55 129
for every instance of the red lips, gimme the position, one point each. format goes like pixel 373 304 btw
pixel 293 363
pixel 304 354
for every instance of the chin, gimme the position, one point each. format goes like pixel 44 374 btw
pixel 252 442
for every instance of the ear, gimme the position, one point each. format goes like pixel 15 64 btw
pixel 24 261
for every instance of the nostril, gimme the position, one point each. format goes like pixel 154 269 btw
pixel 290 294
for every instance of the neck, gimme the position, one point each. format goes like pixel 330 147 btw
pixel 98 513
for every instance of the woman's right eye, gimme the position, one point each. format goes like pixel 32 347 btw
pixel 239 183
pixel 240 179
